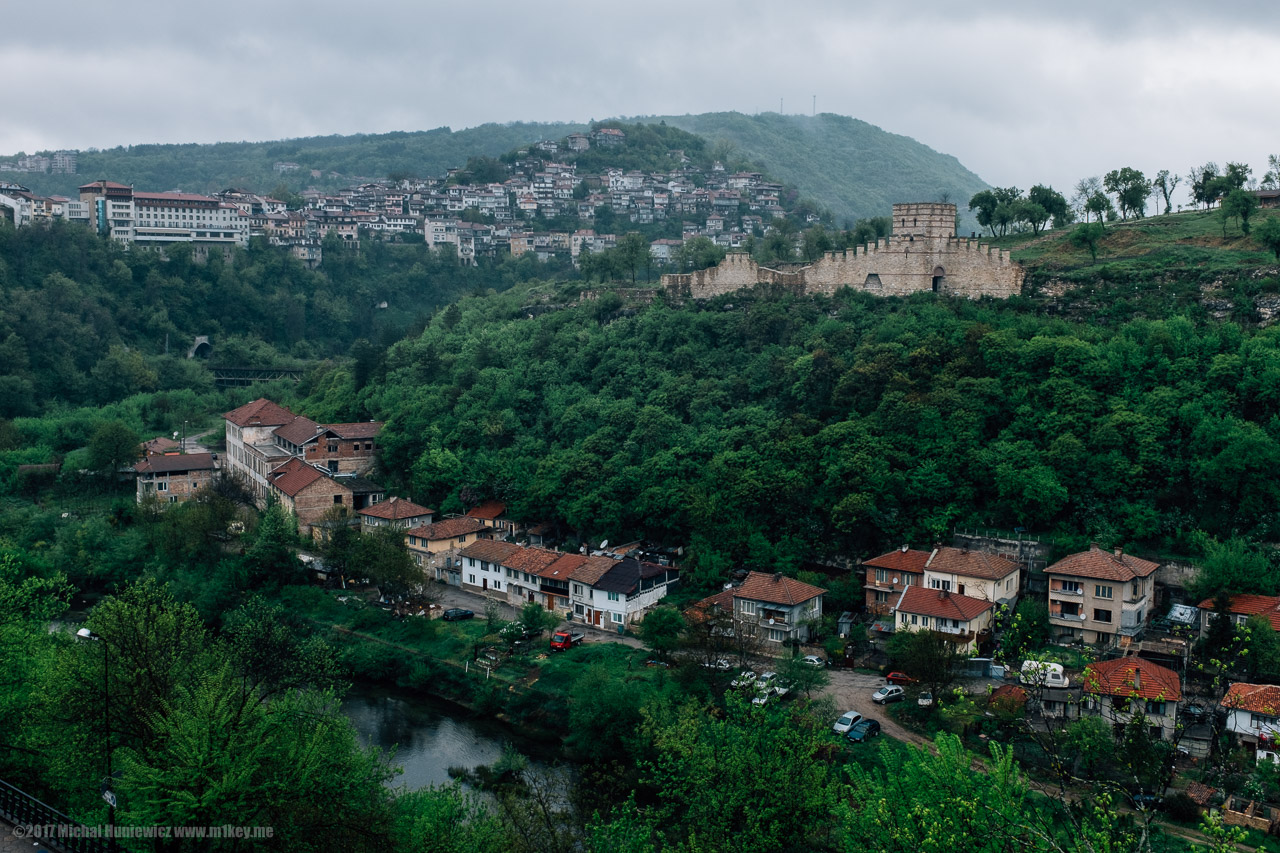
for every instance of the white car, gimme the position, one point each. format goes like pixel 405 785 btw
pixel 722 665
pixel 762 698
pixel 814 660
pixel 767 681
pixel 888 693
pixel 925 699
pixel 746 678
pixel 846 722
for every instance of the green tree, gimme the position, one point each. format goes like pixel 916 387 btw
pixel 1268 235
pixel 1053 203
pixel 663 630
pixel 113 447
pixel 122 372
pixel 1087 236
pixel 632 253
pixel 927 656
pixel 1165 183
pixel 1131 189
pixel 1099 205
pixel 1239 205
pixel 803 677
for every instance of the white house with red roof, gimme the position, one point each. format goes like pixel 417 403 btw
pixel 1253 713
pixel 494 514
pixel 395 512
pixel 1098 595
pixel 889 574
pixel 783 608
pixel 1121 689
pixel 436 547
pixel 1240 608
pixel 963 619
pixel 252 450
pixel 977 574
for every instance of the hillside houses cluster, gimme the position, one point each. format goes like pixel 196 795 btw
pixel 726 208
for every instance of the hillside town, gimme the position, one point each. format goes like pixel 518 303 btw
pixel 543 188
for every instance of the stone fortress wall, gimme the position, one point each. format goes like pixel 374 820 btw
pixel 922 255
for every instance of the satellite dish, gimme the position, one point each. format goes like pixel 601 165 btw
pixel 895 580
pixel 604 544
pixel 771 621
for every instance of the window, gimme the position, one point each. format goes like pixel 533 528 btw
pixel 882 576
pixel 904 618
pixel 577 589
pixel 579 609
pixel 1102 616
pixel 1120 704
pixel 939 583
pixel 333 447
pixel 1154 707
pixel 616 617
pixel 1261 721
pixel 1101 591
pixel 497 584
pixel 471 579
pixel 748 608
pixel 914 619
pixel 162 486
pixel 882 598
pixel 1073 587
pixel 613 596
pixel 337 499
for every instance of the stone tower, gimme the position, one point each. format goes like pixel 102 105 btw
pixel 924 220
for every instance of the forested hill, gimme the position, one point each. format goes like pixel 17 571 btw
pixel 853 168
pixel 764 430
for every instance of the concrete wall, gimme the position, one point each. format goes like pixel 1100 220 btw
pixel 923 255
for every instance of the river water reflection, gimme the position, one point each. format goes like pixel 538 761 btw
pixel 429 736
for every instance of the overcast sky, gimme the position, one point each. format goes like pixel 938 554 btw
pixel 1020 93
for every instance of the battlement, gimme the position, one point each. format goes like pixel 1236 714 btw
pixel 924 220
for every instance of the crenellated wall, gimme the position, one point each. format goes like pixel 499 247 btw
pixel 923 255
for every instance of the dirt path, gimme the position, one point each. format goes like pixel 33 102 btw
pixel 851 691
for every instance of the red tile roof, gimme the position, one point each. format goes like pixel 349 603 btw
pixel 592 569
pixel 899 560
pixel 1116 678
pixel 532 560
pixel 260 412
pixel 776 589
pixel 489 550
pixel 175 462
pixel 364 429
pixel 699 611
pixel 293 476
pixel 488 510
pixel 298 431
pixel 1254 698
pixel 447 529
pixel 1251 605
pixel 395 509
pixel 564 567
pixel 159 446
pixel 973 564
pixel 1103 565
pixel 940 604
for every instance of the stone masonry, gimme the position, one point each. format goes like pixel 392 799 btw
pixel 922 255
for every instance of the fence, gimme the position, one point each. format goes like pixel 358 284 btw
pixel 20 808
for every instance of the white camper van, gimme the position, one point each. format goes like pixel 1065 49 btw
pixel 1044 673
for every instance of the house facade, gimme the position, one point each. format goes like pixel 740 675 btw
pixel 482 569
pixel 395 512
pixel 311 494
pixel 889 574
pixel 780 607
pixel 252 450
pixel 435 548
pixel 965 620
pixel 1097 596
pixel 1253 713
pixel 1240 608
pixel 1122 689
pixel 494 514
pixel 976 574
pixel 174 478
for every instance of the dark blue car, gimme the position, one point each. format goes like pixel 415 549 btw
pixel 864 730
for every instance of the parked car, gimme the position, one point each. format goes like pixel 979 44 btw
pixel 744 679
pixel 863 730
pixel 814 660
pixel 566 639
pixel 888 693
pixel 847 721
pixel 658 664
pixel 722 665
pixel 767 681
pixel 925 699
pixel 762 698
pixel 457 614
pixel 899 678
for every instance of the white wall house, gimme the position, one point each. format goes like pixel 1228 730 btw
pixel 976 574
pixel 780 606
pixel 1253 712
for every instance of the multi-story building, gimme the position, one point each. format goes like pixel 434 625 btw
pixel 436 547
pixel 963 619
pixel 159 219
pixel 396 512
pixel 1096 596
pixel 781 608
pixel 1126 688
pixel 977 574
pixel 889 574
pixel 252 448
pixel 173 478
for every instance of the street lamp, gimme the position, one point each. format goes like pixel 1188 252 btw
pixel 107 794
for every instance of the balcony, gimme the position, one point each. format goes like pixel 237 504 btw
pixel 1076 593
pixel 1067 617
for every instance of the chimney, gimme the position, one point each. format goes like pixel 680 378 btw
pixel 904 549
pixel 1119 551
pixel 1137 679
pixel 777 577
pixel 943 594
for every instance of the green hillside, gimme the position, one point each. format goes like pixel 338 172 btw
pixel 853 168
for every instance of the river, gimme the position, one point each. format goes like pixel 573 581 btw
pixel 430 736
